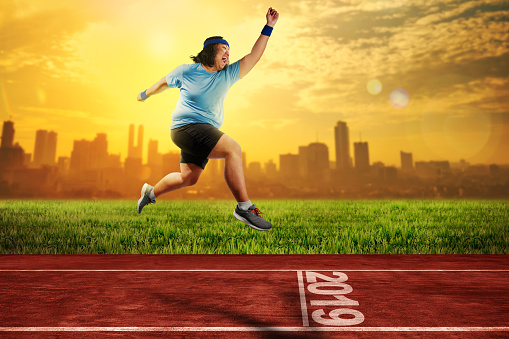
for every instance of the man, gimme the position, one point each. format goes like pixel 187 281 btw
pixel 199 115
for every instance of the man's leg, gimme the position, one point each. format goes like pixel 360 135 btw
pixel 229 150
pixel 188 176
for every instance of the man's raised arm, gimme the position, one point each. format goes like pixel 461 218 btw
pixel 249 61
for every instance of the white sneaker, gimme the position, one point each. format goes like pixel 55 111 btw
pixel 145 197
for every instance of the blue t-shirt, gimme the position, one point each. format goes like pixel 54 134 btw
pixel 201 93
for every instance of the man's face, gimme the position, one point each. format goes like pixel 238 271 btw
pixel 222 56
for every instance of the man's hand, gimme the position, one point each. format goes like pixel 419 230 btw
pixel 272 16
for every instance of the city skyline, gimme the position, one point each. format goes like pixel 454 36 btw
pixel 92 171
pixel 431 76
pixel 94 154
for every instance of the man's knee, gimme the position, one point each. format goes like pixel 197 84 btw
pixel 190 179
pixel 235 148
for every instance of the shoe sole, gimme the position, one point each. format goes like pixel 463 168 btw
pixel 142 194
pixel 245 221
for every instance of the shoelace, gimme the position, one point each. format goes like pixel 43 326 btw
pixel 256 211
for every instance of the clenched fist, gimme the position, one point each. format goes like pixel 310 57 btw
pixel 272 16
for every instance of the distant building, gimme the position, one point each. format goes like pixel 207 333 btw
pixel 270 168
pixel 318 161
pixel 361 152
pixel 132 150
pixel 12 156
pixel 100 151
pixel 342 143
pixel 289 166
pixel 171 162
pixel 303 161
pixel 391 175
pixel 244 162
pixel 114 161
pixel 45 148
pixel 51 149
pixel 64 165
pixel 432 169
pixel 254 169
pixel 90 155
pixel 130 142
pixel 27 160
pixel 7 135
pixel 154 157
pixel 407 164
pixel 139 146
pixel 81 155
pixel 215 169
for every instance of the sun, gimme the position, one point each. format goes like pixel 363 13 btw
pixel 160 45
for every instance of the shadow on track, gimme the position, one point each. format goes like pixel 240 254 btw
pixel 223 311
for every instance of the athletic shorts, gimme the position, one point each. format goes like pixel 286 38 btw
pixel 195 141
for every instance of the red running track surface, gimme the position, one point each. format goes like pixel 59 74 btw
pixel 255 296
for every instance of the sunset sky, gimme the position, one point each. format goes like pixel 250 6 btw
pixel 76 67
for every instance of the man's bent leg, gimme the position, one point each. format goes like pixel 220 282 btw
pixel 229 150
pixel 188 176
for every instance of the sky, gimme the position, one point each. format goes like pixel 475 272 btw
pixel 430 77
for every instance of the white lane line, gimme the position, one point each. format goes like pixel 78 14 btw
pixel 236 270
pixel 256 329
pixel 303 306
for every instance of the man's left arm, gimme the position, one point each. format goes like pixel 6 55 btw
pixel 156 88
pixel 249 61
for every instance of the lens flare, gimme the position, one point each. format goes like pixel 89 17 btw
pixel 374 86
pixel 41 96
pixel 399 98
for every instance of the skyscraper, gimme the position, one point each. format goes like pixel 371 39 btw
pixel 130 142
pixel 81 155
pixel 100 151
pixel 342 143
pixel 139 146
pixel 40 147
pixel 45 148
pixel 318 160
pixel 361 152
pixel 51 149
pixel 406 161
pixel 154 157
pixel 7 134
pixel 303 161
pixel 11 155
pixel 132 150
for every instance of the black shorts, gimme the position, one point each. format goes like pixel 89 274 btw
pixel 195 141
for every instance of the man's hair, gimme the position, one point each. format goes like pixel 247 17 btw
pixel 208 54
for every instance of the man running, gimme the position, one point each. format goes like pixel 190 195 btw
pixel 198 116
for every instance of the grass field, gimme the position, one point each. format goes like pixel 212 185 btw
pixel 300 227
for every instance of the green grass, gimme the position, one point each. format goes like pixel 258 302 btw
pixel 300 227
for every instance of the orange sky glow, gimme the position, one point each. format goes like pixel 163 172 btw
pixel 430 77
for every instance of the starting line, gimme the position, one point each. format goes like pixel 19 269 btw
pixel 254 329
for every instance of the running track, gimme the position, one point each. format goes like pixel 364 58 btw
pixel 240 296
